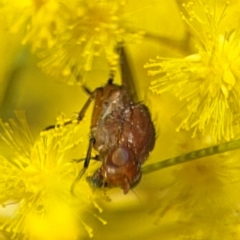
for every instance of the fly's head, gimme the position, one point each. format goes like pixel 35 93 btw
pixel 119 169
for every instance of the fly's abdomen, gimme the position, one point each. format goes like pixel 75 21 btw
pixel 138 131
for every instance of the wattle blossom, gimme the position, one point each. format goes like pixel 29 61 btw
pixel 68 35
pixel 197 200
pixel 38 20
pixel 208 80
pixel 37 178
pixel 94 28
pixel 202 201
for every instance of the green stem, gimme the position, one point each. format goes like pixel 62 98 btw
pixel 205 152
pixel 11 93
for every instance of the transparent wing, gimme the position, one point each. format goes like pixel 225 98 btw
pixel 127 78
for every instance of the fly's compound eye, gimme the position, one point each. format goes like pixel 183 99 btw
pixel 120 161
pixel 120 156
pixel 120 169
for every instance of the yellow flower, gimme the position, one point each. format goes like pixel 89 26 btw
pixel 209 81
pixel 202 202
pixel 94 28
pixel 38 178
pixel 40 20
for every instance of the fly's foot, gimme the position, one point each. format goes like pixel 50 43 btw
pixel 96 180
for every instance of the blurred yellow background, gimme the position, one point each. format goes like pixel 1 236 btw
pixel 43 97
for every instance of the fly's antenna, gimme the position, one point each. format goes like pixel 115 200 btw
pixel 205 152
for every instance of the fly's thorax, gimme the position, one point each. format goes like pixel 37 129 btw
pixel 123 135
pixel 115 99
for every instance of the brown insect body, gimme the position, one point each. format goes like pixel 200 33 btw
pixel 121 131
pixel 123 135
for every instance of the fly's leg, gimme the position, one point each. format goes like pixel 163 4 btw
pixel 96 157
pixel 96 180
pixel 80 114
pixel 99 97
pixel 93 96
pixel 86 164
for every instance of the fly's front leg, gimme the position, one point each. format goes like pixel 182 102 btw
pixel 96 158
pixel 80 114
pixel 86 164
pixel 97 96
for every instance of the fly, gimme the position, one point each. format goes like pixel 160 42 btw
pixel 123 134
pixel 121 131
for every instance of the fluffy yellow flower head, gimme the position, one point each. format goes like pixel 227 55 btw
pixel 38 19
pixel 209 81
pixel 38 179
pixel 202 202
pixel 67 35
pixel 94 27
